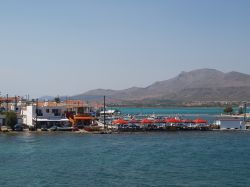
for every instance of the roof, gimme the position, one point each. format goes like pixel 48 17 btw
pixel 109 111
pixel 10 99
pixel 229 119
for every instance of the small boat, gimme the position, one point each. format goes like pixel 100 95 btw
pixel 64 128
pixel 53 128
pixel 44 128
pixel 92 128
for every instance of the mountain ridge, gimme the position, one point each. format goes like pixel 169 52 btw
pixel 186 86
pixel 196 85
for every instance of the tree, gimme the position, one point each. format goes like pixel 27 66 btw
pixel 57 99
pixel 228 110
pixel 241 111
pixel 11 119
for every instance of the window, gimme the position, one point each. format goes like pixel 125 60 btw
pixel 47 110
pixel 39 112
pixel 56 112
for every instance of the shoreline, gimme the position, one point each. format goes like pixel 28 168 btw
pixel 119 132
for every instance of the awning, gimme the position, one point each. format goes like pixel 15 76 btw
pixel 147 121
pixel 172 120
pixel 199 121
pixel 119 122
pixel 50 120
pixel 84 118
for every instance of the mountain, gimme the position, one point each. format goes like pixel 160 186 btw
pixel 196 85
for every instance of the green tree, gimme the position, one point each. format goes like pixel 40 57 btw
pixel 228 110
pixel 241 111
pixel 57 99
pixel 11 119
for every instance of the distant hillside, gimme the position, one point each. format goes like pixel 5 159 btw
pixel 197 85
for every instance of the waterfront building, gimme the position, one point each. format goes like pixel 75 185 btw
pixel 79 113
pixel 10 104
pixel 48 114
pixel 44 114
pixel 231 124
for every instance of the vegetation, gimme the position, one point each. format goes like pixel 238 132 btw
pixel 241 110
pixel 11 119
pixel 57 99
pixel 228 110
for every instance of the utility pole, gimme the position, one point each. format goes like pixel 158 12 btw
pixel 104 108
pixel 36 113
pixel 15 103
pixel 245 111
pixel 0 99
pixel 7 102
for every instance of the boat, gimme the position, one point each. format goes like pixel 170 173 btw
pixel 53 128
pixel 64 128
pixel 44 128
pixel 92 128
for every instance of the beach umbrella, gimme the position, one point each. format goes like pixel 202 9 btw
pixel 147 121
pixel 159 121
pixel 172 120
pixel 134 121
pixel 199 120
pixel 119 122
pixel 187 121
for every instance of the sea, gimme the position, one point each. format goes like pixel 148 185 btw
pixel 208 113
pixel 175 159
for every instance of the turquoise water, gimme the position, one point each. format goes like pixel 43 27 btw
pixel 171 111
pixel 146 159
pixel 208 113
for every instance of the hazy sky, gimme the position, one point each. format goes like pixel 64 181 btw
pixel 66 47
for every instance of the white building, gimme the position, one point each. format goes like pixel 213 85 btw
pixel 44 115
pixel 231 123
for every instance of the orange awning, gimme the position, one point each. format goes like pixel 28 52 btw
pixel 84 118
pixel 147 121
pixel 120 122
pixel 172 120
pixel 199 121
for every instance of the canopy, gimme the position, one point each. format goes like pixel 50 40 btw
pixel 134 121
pixel 159 121
pixel 119 122
pixel 187 121
pixel 172 120
pixel 147 121
pixel 198 120
pixel 84 118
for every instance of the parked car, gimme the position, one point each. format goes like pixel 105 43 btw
pixel 18 127
pixel 4 129
pixel 44 128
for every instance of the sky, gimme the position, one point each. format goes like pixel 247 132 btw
pixel 67 47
